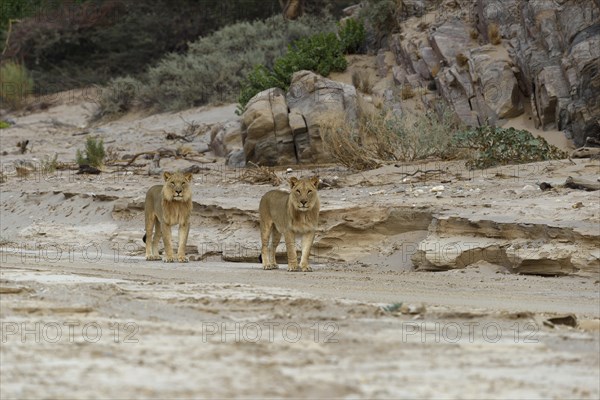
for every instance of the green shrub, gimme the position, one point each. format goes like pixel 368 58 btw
pixel 214 66
pixel 321 53
pixel 93 153
pixel 499 146
pixel 70 44
pixel 4 124
pixel 352 35
pixel 49 164
pixel 119 96
pixel 15 85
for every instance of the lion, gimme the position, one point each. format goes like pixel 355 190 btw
pixel 289 214
pixel 167 205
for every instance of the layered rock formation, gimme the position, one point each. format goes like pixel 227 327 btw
pixel 490 60
pixel 547 54
pixel 283 128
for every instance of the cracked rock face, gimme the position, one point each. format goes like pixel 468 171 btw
pixel 284 128
pixel 542 249
pixel 548 55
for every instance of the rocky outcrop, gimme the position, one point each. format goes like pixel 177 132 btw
pixel 284 128
pixel 548 55
pixel 455 242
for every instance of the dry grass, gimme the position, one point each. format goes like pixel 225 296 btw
pixel 344 143
pixel 435 70
pixel 462 59
pixel 407 92
pixel 361 80
pixel 494 34
pixel 474 33
pixel 259 174
pixel 381 137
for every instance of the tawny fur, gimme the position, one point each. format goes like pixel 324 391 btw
pixel 163 210
pixel 289 214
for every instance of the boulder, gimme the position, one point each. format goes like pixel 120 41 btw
pixel 315 98
pixel 266 134
pixel 496 81
pixel 450 39
pixel 226 138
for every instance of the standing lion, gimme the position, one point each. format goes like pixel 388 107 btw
pixel 167 205
pixel 289 214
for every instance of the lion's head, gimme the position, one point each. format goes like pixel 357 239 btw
pixel 177 186
pixel 304 192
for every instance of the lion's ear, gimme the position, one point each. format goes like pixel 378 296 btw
pixel 167 175
pixel 315 181
pixel 293 181
pixel 189 176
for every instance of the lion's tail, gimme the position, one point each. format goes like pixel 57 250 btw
pixel 144 238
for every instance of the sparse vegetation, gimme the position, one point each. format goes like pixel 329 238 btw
pixel 462 60
pixel 383 137
pixel 213 68
pixel 49 164
pixel 361 80
pixel 494 34
pixel 93 154
pixel 435 70
pixel 474 33
pixel 493 146
pixel 407 92
pixel 352 35
pixel 15 84
pixel 4 125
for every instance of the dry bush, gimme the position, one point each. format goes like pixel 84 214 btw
pixel 342 140
pixel 474 33
pixel 435 70
pixel 259 174
pixel 494 34
pixel 407 92
pixel 462 59
pixel 384 137
pixel 361 80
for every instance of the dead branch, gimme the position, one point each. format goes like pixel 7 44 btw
pixel 419 171
pixel 581 184
pixel 260 174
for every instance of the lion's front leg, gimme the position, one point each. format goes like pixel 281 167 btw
pixel 184 230
pixel 290 245
pixel 167 241
pixel 307 241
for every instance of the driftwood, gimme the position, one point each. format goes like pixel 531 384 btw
pixel 585 152
pixel 581 184
pixel 259 174
pixel 22 145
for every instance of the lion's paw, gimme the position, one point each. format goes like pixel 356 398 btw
pixel 183 259
pixel 306 268
pixel 169 259
pixel 152 258
pixel 271 266
pixel 293 268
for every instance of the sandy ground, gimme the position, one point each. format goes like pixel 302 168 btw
pixel 83 315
